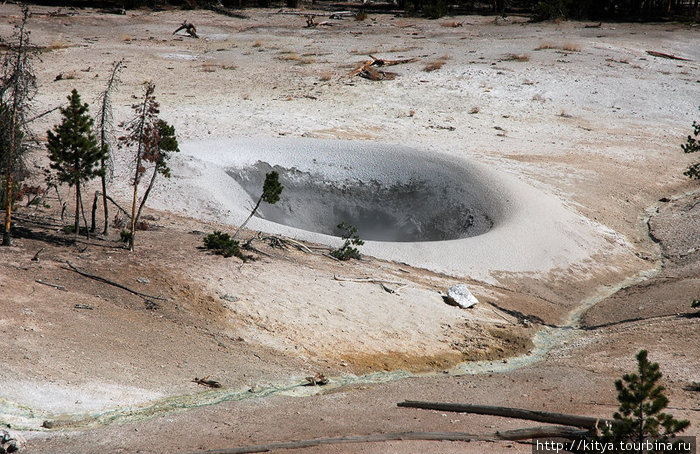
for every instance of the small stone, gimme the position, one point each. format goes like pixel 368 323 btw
pixel 229 298
pixel 143 280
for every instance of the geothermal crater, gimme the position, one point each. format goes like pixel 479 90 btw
pixel 425 207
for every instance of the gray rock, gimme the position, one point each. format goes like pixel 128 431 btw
pixel 459 295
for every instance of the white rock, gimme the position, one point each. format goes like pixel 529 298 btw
pixel 461 296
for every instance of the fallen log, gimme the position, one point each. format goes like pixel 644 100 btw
pixel 586 422
pixel 115 284
pixel 508 435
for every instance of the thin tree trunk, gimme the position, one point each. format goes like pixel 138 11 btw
pixel 248 218
pixel 145 196
pixel 133 213
pixel 93 227
pixel 82 211
pixel 105 231
pixel 77 210
pixel 7 235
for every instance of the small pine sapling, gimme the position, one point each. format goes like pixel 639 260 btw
pixel 223 244
pixel 692 145
pixel 348 250
pixel 73 149
pixel 640 417
pixel 271 194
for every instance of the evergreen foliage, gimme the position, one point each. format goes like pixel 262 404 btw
pixel 348 250
pixel 642 401
pixel 222 244
pixel 692 145
pixel 73 149
pixel 271 194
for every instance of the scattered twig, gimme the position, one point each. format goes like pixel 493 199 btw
pixel 36 256
pixel 206 382
pixel 665 55
pixel 115 284
pixel 60 287
pixel 189 28
pixel 368 279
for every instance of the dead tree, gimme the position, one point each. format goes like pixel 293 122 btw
pixel 17 88
pixel 104 126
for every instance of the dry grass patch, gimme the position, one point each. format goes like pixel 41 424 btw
pixel 257 44
pixel 325 76
pixel 435 65
pixel 451 24
pixel 58 44
pixel 569 47
pixel 209 67
pixel 516 57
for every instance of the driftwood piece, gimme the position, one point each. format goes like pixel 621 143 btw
pixel 508 435
pixel 586 422
pixel 206 382
pixel 593 25
pixel 317 380
pixel 368 69
pixel 189 28
pixel 115 284
pixel 60 287
pixel 665 55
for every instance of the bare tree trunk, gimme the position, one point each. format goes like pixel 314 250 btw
pixel 257 205
pixel 82 211
pixel 77 209
pixel 145 196
pixel 7 234
pixel 133 211
pixel 94 212
pixel 105 231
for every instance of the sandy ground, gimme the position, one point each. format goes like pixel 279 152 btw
pixel 582 114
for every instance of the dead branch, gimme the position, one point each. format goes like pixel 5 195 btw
pixel 36 256
pixel 206 382
pixel 60 287
pixel 317 380
pixel 509 435
pixel 542 416
pixel 189 28
pixel 367 69
pixel 368 279
pixel 115 284
pixel 126 213
pixel 664 55
pixel 84 306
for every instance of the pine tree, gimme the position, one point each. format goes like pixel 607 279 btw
pixel 642 401
pixel 692 145
pixel 271 194
pixel 17 88
pixel 152 141
pixel 73 149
